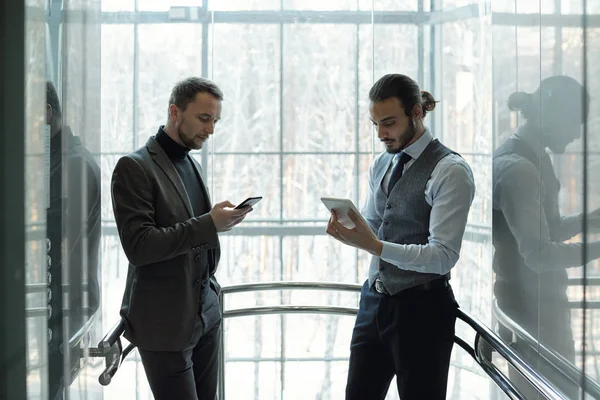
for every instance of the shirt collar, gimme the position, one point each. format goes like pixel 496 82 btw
pixel 417 148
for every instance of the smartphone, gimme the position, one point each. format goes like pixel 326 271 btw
pixel 249 202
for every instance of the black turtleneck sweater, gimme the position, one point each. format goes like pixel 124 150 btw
pixel 178 155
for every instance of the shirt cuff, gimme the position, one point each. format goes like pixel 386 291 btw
pixel 392 253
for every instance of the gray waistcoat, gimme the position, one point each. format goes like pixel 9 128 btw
pixel 405 215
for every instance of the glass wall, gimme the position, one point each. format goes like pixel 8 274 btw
pixel 544 191
pixel 62 198
pixel 295 127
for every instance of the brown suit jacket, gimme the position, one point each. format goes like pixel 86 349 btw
pixel 162 240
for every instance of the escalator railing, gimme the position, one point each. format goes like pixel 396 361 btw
pixel 485 341
pixel 558 362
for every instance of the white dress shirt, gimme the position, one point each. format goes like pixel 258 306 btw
pixel 449 192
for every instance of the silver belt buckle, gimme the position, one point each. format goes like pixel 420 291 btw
pixel 379 286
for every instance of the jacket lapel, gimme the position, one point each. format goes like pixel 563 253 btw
pixel 160 157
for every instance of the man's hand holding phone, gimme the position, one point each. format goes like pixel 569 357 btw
pixel 226 215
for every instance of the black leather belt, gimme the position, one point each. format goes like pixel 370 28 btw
pixel 439 283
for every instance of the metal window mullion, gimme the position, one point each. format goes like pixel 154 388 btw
pixel 204 72
pixel 281 199
pixel 136 66
pixel 421 47
pixel 584 221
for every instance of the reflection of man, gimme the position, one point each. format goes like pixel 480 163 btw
pixel 417 207
pixel 168 230
pixel 73 222
pixel 530 259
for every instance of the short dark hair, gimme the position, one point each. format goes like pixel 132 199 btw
pixel 52 99
pixel 185 91
pixel 554 95
pixel 405 89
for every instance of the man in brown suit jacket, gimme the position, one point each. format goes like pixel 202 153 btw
pixel 169 232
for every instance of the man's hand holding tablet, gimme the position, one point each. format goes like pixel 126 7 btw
pixel 349 227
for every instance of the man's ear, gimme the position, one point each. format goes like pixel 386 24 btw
pixel 417 112
pixel 48 113
pixel 173 112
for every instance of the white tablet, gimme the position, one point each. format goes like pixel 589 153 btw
pixel 341 207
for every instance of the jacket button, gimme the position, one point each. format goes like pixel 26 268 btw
pixel 197 258
pixel 386 222
pixel 388 206
pixel 380 268
pixel 196 282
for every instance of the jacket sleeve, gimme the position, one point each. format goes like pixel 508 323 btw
pixel 143 242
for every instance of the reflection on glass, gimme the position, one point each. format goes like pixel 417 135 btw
pixel 529 233
pixel 73 246
pixel 36 165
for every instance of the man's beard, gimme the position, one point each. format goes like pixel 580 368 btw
pixel 187 143
pixel 405 138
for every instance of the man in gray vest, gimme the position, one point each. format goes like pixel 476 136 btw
pixel 416 210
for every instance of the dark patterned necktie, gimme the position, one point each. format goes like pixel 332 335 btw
pixel 397 171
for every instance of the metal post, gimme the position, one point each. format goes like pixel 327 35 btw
pixel 13 369
pixel 221 384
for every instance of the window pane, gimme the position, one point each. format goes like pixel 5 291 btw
pixel 389 5
pixel 321 335
pixel 164 5
pixel 248 380
pixel 329 5
pixel 505 80
pixel 107 166
pixel 480 212
pixel 117 5
pixel 536 56
pixel 236 177
pixel 363 180
pixel 252 337
pixel 535 7
pixel 308 178
pixel 576 7
pixel 320 258
pixel 246 67
pixel 504 6
pixel 389 56
pixel 316 380
pixel 117 88
pixel 246 259
pixel 319 87
pixel 243 5
pixel 167 53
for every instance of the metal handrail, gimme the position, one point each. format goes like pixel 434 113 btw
pixel 291 285
pixel 493 372
pixel 543 386
pixel 111 342
pixel 510 355
pixel 557 361
pixel 281 285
